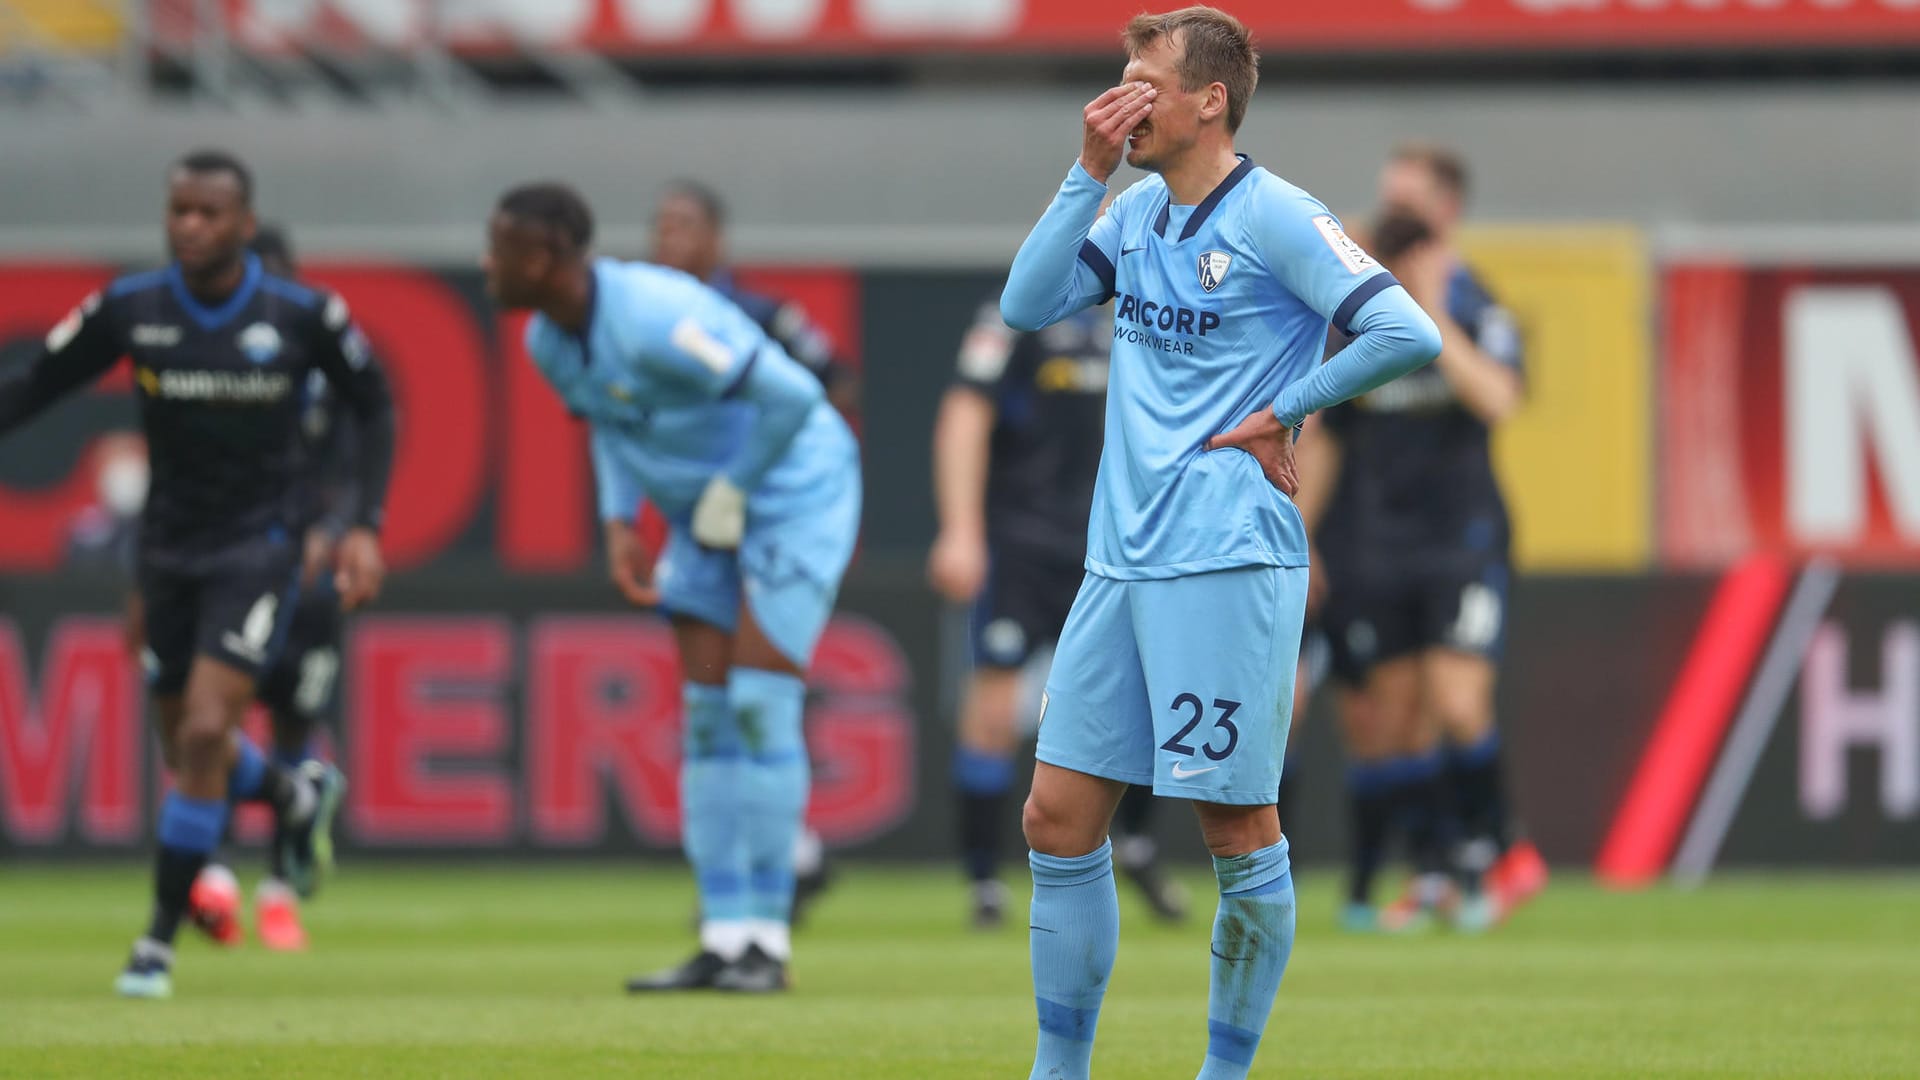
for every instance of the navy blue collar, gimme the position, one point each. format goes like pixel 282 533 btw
pixel 1205 209
pixel 213 318
pixel 585 336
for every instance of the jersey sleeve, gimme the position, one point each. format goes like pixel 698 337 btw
pixel 803 340
pixel 618 489
pixel 986 353
pixel 1067 262
pixel 342 353
pixel 1496 334
pixel 698 359
pixel 1313 257
pixel 78 349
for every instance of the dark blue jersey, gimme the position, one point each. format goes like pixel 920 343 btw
pixel 1049 391
pixel 1416 472
pixel 221 389
pixel 785 323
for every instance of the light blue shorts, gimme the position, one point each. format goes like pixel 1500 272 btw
pixel 787 569
pixel 1184 684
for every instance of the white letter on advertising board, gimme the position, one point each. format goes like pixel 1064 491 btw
pixel 1853 390
pixel 1834 719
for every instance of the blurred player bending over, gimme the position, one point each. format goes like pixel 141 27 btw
pixel 1416 538
pixel 222 350
pixel 1176 666
pixel 694 408
pixel 689 225
pixel 1015 451
pixel 298 689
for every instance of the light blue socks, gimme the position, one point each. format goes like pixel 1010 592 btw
pixel 1252 938
pixel 768 708
pixel 712 820
pixel 1075 933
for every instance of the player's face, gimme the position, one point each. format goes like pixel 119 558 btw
pixel 209 223
pixel 1174 125
pixel 1411 187
pixel 517 262
pixel 684 237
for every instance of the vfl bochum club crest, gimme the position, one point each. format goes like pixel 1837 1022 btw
pixel 1213 268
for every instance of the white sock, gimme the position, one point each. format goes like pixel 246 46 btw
pixel 774 938
pixel 728 938
pixel 274 890
pixel 807 853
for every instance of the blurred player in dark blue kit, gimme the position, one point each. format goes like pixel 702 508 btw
pixel 222 351
pixel 1015 453
pixel 299 688
pixel 689 235
pixel 1416 539
pixel 689 225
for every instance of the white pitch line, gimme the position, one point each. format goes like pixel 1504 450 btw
pixel 1753 730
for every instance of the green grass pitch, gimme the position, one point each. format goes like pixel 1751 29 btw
pixel 460 971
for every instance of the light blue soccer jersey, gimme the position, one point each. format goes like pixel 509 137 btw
pixel 679 385
pixel 1220 309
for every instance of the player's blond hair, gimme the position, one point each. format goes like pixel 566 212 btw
pixel 1214 48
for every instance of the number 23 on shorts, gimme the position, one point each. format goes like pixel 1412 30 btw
pixel 1222 723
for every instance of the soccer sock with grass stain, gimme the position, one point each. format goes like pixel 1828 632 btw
pixel 711 771
pixel 189 831
pixel 981 782
pixel 1074 934
pixel 1252 939
pixel 769 707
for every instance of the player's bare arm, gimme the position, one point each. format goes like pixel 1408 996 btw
pixel 1109 119
pixel 1488 388
pixel 627 565
pixel 957 565
pixel 1317 458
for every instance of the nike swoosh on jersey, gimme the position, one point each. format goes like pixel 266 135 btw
pixel 1181 774
pixel 1126 251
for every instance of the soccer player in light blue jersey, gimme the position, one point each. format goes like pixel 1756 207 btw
pixel 1176 665
pixel 693 407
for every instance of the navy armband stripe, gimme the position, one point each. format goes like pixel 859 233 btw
pixel 1358 298
pixel 1098 262
pixel 740 380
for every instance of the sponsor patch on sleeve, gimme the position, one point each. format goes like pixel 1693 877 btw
pixel 67 329
pixel 1351 254
pixel 984 351
pixel 692 338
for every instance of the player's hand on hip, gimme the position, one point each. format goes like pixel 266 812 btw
pixel 362 568
pixel 957 565
pixel 1109 119
pixel 1271 444
pixel 627 565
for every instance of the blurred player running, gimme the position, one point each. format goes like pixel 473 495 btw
pixel 1416 538
pixel 694 408
pixel 1177 663
pixel 222 350
pixel 298 689
pixel 1015 451
pixel 689 225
